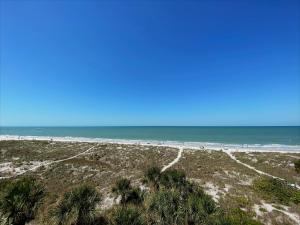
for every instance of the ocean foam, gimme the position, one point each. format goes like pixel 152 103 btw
pixel 177 144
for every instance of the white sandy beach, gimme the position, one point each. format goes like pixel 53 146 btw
pixel 175 144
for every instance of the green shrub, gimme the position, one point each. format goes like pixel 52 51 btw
pixel 198 208
pixel 277 190
pixel 128 194
pixel 165 207
pixel 126 215
pixel 152 176
pixel 77 206
pixel 20 200
pixel 183 203
pixel 297 165
pixel 122 186
pixel 175 202
pixel 242 201
pixel 234 217
pixel 173 179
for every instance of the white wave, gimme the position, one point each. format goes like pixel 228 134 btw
pixel 177 144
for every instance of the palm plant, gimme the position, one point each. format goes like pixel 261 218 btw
pixel 235 217
pixel 165 207
pixel 21 200
pixel 173 179
pixel 297 165
pixel 128 194
pixel 152 176
pixel 77 207
pixel 199 208
pixel 127 215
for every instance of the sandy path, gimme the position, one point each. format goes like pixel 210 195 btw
pixel 270 208
pixel 295 157
pixel 174 161
pixel 229 153
pixel 49 163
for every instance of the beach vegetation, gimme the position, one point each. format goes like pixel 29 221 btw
pixel 168 179
pixel 126 215
pixel 297 166
pixel 242 201
pixel 20 200
pixel 173 179
pixel 128 193
pixel 278 164
pixel 276 190
pixel 199 208
pixel 165 207
pixel 176 201
pixel 77 207
pixel 225 181
pixel 152 177
pixel 234 217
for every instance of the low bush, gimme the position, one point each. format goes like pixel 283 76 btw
pixel 165 207
pixel 277 190
pixel 126 215
pixel 173 200
pixel 20 200
pixel 152 176
pixel 128 193
pixel 173 179
pixel 297 165
pixel 77 207
pixel 234 217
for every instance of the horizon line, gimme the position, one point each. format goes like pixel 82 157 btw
pixel 75 126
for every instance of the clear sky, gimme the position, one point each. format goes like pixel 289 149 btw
pixel 165 62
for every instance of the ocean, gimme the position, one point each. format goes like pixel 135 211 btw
pixel 279 136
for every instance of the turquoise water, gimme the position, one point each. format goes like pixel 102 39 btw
pixel 226 135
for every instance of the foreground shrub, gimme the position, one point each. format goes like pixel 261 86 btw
pixel 20 200
pixel 234 217
pixel 165 207
pixel 199 208
pixel 277 190
pixel 152 176
pixel 175 202
pixel 77 207
pixel 297 165
pixel 173 179
pixel 128 193
pixel 126 215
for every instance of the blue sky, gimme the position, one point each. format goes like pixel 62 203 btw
pixel 150 62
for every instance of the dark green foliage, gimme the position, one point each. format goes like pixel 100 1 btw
pixel 277 190
pixel 20 200
pixel 297 165
pixel 198 209
pixel 121 186
pixel 77 207
pixel 172 201
pixel 166 179
pixel 135 196
pixel 177 201
pixel 152 177
pixel 234 217
pixel 171 207
pixel 128 194
pixel 188 189
pixel 165 207
pixel 126 215
pixel 172 179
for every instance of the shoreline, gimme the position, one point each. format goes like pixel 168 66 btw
pixel 173 144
